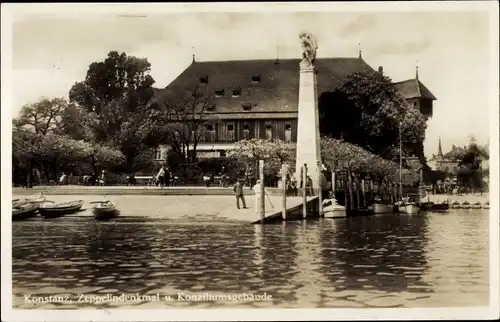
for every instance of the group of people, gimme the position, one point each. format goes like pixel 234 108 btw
pixel 164 177
pixel 239 193
pixel 209 178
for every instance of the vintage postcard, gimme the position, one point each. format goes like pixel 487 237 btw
pixel 250 161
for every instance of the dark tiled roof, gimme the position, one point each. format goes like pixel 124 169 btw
pixel 277 90
pixel 413 88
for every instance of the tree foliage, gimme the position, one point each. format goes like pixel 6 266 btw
pixel 368 111
pixel 179 118
pixel 113 103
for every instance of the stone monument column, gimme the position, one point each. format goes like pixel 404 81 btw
pixel 308 140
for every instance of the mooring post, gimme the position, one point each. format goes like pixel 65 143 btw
pixel 349 183
pixel 356 185
pixel 262 192
pixel 320 190
pixel 284 170
pixel 363 192
pixel 334 183
pixel 304 191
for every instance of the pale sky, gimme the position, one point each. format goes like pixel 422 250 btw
pixel 51 53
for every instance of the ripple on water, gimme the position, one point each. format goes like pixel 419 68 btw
pixel 345 263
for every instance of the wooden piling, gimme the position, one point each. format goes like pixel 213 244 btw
pixel 304 191
pixel 363 192
pixel 262 192
pixel 334 183
pixel 349 185
pixel 284 169
pixel 320 190
pixel 356 185
pixel 344 186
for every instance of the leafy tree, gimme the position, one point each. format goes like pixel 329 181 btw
pixel 274 153
pixel 367 111
pixel 179 117
pixel 115 96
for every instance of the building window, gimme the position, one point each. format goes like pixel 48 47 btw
pixel 210 133
pixel 246 132
pixel 269 132
pixel 230 132
pixel 247 106
pixel 158 154
pixel 288 132
pixel 222 153
pixel 236 92
pixel 414 103
pixel 210 107
pixel 219 92
pixel 204 79
pixel 256 79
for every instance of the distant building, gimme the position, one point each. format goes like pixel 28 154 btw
pixel 446 163
pixel 259 98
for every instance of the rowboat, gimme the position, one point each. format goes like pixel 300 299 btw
pixel 37 199
pixel 476 205
pixel 49 209
pixel 104 210
pixel 407 207
pixel 331 209
pixel 486 205
pixel 431 206
pixel 465 205
pixel 381 208
pixel 24 211
pixel 456 205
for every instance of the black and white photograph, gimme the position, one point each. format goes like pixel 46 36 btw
pixel 203 158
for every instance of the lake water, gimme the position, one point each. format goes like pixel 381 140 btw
pixel 425 260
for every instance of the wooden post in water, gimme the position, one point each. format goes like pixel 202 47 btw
pixel 391 191
pixel 363 192
pixel 356 185
pixel 262 192
pixel 334 183
pixel 284 169
pixel 371 189
pixel 349 186
pixel 320 191
pixel 343 182
pixel 304 191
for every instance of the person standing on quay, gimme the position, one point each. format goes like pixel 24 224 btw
pixel 160 177
pixel 238 190
pixel 256 190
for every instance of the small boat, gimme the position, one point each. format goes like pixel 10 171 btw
pixel 431 206
pixel 465 205
pixel 476 205
pixel 411 208
pixel 37 199
pixel 49 209
pixel 105 210
pixel 456 205
pixel 24 211
pixel 486 205
pixel 382 208
pixel 331 209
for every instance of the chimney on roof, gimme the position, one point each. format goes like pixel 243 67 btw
pixel 360 56
pixel 416 72
pixel 193 56
pixel 381 70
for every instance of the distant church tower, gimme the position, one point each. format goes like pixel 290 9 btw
pixel 440 150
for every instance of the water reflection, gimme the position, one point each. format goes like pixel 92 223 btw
pixel 378 261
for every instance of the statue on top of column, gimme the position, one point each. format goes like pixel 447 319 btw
pixel 309 48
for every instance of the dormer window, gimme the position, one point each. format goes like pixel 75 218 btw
pixel 210 127
pixel 247 106
pixel 219 92
pixel 236 92
pixel 204 79
pixel 255 79
pixel 210 107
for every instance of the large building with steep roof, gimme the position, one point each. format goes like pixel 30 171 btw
pixel 259 98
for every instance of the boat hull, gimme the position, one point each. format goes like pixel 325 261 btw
pixel 411 209
pixel 379 208
pixel 57 211
pixel 334 212
pixel 486 206
pixel 476 206
pixel 30 211
pixel 105 213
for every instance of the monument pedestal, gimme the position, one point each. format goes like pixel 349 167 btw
pixel 308 139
